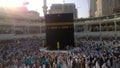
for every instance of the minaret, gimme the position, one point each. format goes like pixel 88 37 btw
pixel 45 7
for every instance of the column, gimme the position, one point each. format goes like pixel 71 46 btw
pixel 14 29
pixel 86 30
pixel 115 26
pixel 100 31
pixel 28 32
pixel 40 29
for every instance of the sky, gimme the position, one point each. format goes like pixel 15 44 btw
pixel 81 5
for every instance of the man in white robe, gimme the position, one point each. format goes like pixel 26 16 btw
pixel 104 65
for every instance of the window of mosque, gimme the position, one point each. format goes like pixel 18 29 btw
pixel 118 26
pixel 20 30
pixel 5 29
pixel 95 28
pixel 108 26
pixel 111 26
pixel 103 27
pixel 33 29
pixel 79 28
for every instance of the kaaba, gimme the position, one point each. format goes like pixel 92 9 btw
pixel 59 31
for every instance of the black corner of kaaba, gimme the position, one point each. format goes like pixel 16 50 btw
pixel 59 31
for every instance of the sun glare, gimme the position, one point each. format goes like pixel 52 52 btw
pixel 11 3
pixel 30 4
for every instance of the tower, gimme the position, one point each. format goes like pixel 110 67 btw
pixel 45 7
pixel 92 7
pixel 116 8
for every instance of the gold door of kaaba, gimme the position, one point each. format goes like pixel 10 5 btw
pixel 59 29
